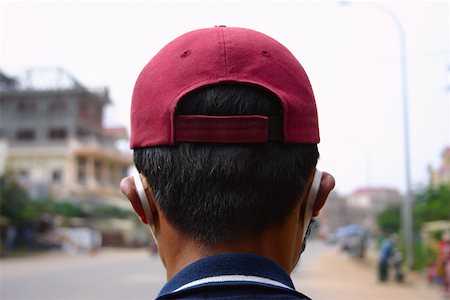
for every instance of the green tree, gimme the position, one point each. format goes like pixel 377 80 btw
pixel 14 201
pixel 69 210
pixel 17 205
pixel 432 204
pixel 389 220
pixel 106 211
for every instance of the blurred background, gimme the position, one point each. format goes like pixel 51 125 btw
pixel 380 73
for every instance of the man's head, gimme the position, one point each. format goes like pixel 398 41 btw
pixel 225 133
pixel 221 192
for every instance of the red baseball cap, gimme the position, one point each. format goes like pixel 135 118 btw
pixel 210 56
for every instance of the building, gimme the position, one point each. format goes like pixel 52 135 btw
pixel 53 139
pixel 335 213
pixel 442 174
pixel 366 203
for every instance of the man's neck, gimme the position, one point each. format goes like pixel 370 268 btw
pixel 180 251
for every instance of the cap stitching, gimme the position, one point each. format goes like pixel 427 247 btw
pixel 228 128
pixel 222 31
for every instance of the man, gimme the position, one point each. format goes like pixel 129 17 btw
pixel 386 252
pixel 224 130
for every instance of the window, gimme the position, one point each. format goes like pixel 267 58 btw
pixel 112 174
pixel 83 133
pixel 98 170
pixel 26 106
pixel 98 113
pixel 57 106
pixel 25 135
pixel 23 174
pixel 90 112
pixel 57 133
pixel 83 110
pixel 56 175
pixel 81 162
pixel 81 176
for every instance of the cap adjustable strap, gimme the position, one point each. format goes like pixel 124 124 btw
pixel 227 129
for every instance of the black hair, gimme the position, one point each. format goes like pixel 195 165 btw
pixel 222 192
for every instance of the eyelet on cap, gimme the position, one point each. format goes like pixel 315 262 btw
pixel 265 53
pixel 185 53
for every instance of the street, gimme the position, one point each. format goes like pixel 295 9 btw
pixel 323 274
pixel 335 276
pixel 111 274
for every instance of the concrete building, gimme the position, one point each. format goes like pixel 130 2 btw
pixel 53 139
pixel 442 174
pixel 365 203
pixel 335 213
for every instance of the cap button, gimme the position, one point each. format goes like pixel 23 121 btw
pixel 220 26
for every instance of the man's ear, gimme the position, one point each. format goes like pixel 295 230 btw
pixel 128 188
pixel 327 184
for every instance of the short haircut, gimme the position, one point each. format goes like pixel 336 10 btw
pixel 222 192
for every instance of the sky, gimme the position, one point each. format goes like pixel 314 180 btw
pixel 350 50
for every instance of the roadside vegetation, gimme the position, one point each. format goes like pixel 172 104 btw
pixel 431 204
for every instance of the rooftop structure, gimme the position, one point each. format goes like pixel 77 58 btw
pixel 366 203
pixel 53 139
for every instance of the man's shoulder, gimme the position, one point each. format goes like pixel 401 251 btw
pixel 231 276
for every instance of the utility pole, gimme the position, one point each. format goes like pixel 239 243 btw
pixel 407 217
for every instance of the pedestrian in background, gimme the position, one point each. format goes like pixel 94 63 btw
pixel 11 235
pixel 386 252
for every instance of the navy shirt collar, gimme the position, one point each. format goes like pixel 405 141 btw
pixel 230 268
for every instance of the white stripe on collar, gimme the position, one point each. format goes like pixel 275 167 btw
pixel 232 278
